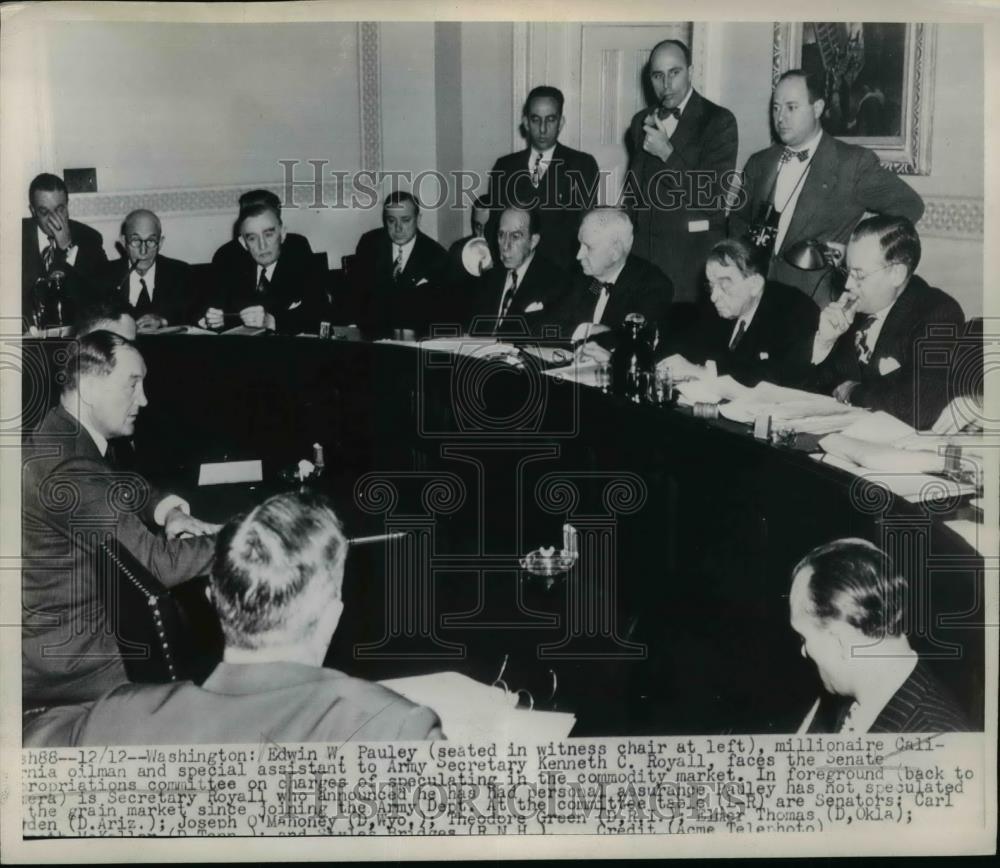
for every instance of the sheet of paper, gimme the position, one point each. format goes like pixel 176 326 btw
pixel 985 540
pixel 224 472
pixel 878 427
pixel 244 330
pixel 584 373
pixel 913 487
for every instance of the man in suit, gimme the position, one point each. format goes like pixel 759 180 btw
pixel 276 586
pixel 400 273
pixel 228 257
pixel 680 155
pixel 812 186
pixel 56 250
pixel 277 288
pixel 613 284
pixel 847 603
pixel 158 289
pixel 867 348
pixel 754 330
pixel 526 290
pixel 76 497
pixel 559 182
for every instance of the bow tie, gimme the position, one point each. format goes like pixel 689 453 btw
pixel 596 286
pixel 788 154
pixel 663 112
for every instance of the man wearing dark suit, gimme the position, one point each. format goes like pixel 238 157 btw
pixel 754 329
pixel 812 186
pixel 229 256
pixel 275 288
pixel 867 348
pixel 614 283
pixel 847 602
pixel 276 585
pixel 400 273
pixel 157 289
pixel 52 244
pixel 525 291
pixel 75 497
pixel 680 155
pixel 559 182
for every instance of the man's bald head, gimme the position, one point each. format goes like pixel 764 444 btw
pixel 142 237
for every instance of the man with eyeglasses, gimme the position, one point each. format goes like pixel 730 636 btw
pixel 157 289
pixel 867 350
pixel 58 255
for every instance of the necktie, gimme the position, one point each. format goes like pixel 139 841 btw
pixel 536 173
pixel 787 155
pixel 663 112
pixel 741 330
pixel 263 284
pixel 48 256
pixel 397 265
pixel 508 297
pixel 861 340
pixel 143 303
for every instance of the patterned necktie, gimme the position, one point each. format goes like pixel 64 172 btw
pixel 787 155
pixel 508 297
pixel 741 330
pixel 48 257
pixel 263 284
pixel 397 265
pixel 861 340
pixel 143 303
pixel 536 172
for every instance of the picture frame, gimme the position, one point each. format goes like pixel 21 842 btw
pixel 879 83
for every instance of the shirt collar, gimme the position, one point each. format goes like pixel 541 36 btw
pixel 811 145
pixel 150 276
pixel 43 239
pixel 546 154
pixel 406 248
pixel 611 278
pixel 99 439
pixel 523 267
pixel 268 270
pixel 749 315
pixel 683 103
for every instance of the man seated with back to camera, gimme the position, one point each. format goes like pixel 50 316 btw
pixel 524 290
pixel 276 585
pixel 614 283
pixel 110 313
pixel 753 329
pixel 277 288
pixel 867 348
pixel 847 603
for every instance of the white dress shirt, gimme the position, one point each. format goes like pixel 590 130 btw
pixel 519 271
pixel 268 271
pixel 746 317
pixel 875 327
pixel 406 249
pixel 669 123
pixel 788 186
pixel 43 242
pixel 135 287
pixel 543 164
pixel 602 299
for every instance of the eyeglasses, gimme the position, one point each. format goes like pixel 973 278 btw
pixel 858 276
pixel 137 243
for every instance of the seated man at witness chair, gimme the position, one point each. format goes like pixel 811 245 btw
pixel 275 288
pixel 158 289
pixel 848 602
pixel 400 273
pixel 276 586
pixel 54 246
pixel 614 283
pixel 75 496
pixel 109 313
pixel 525 291
pixel 867 348
pixel 754 329
pixel 230 254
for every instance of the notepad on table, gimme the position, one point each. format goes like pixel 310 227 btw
pixel 224 472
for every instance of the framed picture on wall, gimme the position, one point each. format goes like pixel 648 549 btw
pixel 878 81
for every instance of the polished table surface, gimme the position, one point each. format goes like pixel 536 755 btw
pixel 675 620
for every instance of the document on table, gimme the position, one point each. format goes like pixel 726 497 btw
pixel 913 487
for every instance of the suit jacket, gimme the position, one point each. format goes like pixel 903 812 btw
pixel 776 347
pixel 416 299
pixel 82 278
pixel 678 206
pixel 566 191
pixel 175 297
pixel 72 500
pixel 296 293
pixel 844 181
pixel 912 392
pixel 240 704
pixel 640 288
pixel 541 289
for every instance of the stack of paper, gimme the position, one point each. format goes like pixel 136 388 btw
pixel 474 711
pixel 584 373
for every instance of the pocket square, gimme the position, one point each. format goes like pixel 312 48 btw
pixel 887 365
pixel 422 281
pixel 764 356
pixel 295 304
pixel 534 306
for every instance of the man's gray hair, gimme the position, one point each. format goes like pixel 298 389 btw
pixel 615 222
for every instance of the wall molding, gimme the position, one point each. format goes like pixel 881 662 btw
pixel 952 217
pixel 370 85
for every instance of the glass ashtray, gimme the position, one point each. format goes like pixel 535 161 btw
pixel 548 561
